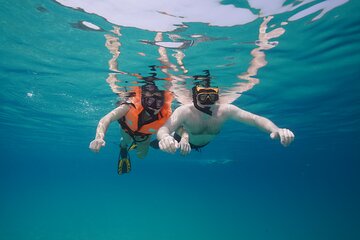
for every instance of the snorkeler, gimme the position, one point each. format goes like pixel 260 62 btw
pixel 141 113
pixel 204 118
pixel 139 117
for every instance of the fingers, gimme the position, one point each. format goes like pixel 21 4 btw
pixel 94 147
pixel 274 135
pixel 177 145
pixel 168 144
pixel 184 148
pixel 96 144
pixel 286 136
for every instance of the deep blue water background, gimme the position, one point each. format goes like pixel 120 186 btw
pixel 241 186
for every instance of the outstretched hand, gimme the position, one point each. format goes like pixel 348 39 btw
pixel 285 135
pixel 168 144
pixel 96 144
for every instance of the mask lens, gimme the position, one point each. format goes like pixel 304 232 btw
pixel 154 102
pixel 202 97
pixel 213 97
pixel 159 103
pixel 207 98
pixel 149 100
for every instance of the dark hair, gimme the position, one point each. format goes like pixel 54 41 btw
pixel 203 80
pixel 149 87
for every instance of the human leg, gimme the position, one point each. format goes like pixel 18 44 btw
pixel 124 164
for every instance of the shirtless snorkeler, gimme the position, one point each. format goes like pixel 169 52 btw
pixel 204 119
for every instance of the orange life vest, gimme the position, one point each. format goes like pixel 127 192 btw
pixel 130 122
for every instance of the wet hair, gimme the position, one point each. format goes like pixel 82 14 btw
pixel 150 87
pixel 203 80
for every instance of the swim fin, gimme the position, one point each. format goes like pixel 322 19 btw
pixel 133 146
pixel 124 164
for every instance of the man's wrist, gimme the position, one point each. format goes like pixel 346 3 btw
pixel 163 136
pixel 99 138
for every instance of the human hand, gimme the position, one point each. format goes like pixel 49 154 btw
pixel 184 146
pixel 96 144
pixel 168 144
pixel 286 136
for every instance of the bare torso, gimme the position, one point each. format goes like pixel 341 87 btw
pixel 201 127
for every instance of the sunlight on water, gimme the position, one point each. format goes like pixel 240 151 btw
pixel 165 16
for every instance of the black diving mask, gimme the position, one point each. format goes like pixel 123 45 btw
pixel 207 95
pixel 154 102
pixel 151 97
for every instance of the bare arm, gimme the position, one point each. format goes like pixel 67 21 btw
pixel 240 115
pixel 103 125
pixel 183 133
pixel 285 135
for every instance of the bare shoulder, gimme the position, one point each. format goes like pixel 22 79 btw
pixel 228 108
pixel 230 111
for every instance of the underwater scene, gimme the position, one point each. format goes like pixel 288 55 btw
pixel 173 120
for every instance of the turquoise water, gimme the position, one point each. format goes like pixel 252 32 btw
pixel 242 185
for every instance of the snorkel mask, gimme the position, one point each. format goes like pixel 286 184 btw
pixel 152 99
pixel 206 95
pixel 203 94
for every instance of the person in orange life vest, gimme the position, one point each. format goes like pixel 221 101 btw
pixel 139 117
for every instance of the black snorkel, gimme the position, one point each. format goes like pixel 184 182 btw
pixel 205 110
pixel 205 82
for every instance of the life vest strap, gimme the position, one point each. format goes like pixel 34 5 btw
pixel 134 135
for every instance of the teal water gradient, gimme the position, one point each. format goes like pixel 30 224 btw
pixel 241 186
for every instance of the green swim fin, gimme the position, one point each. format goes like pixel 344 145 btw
pixel 124 164
pixel 133 146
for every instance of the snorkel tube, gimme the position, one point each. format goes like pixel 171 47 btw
pixel 196 105
pixel 205 82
